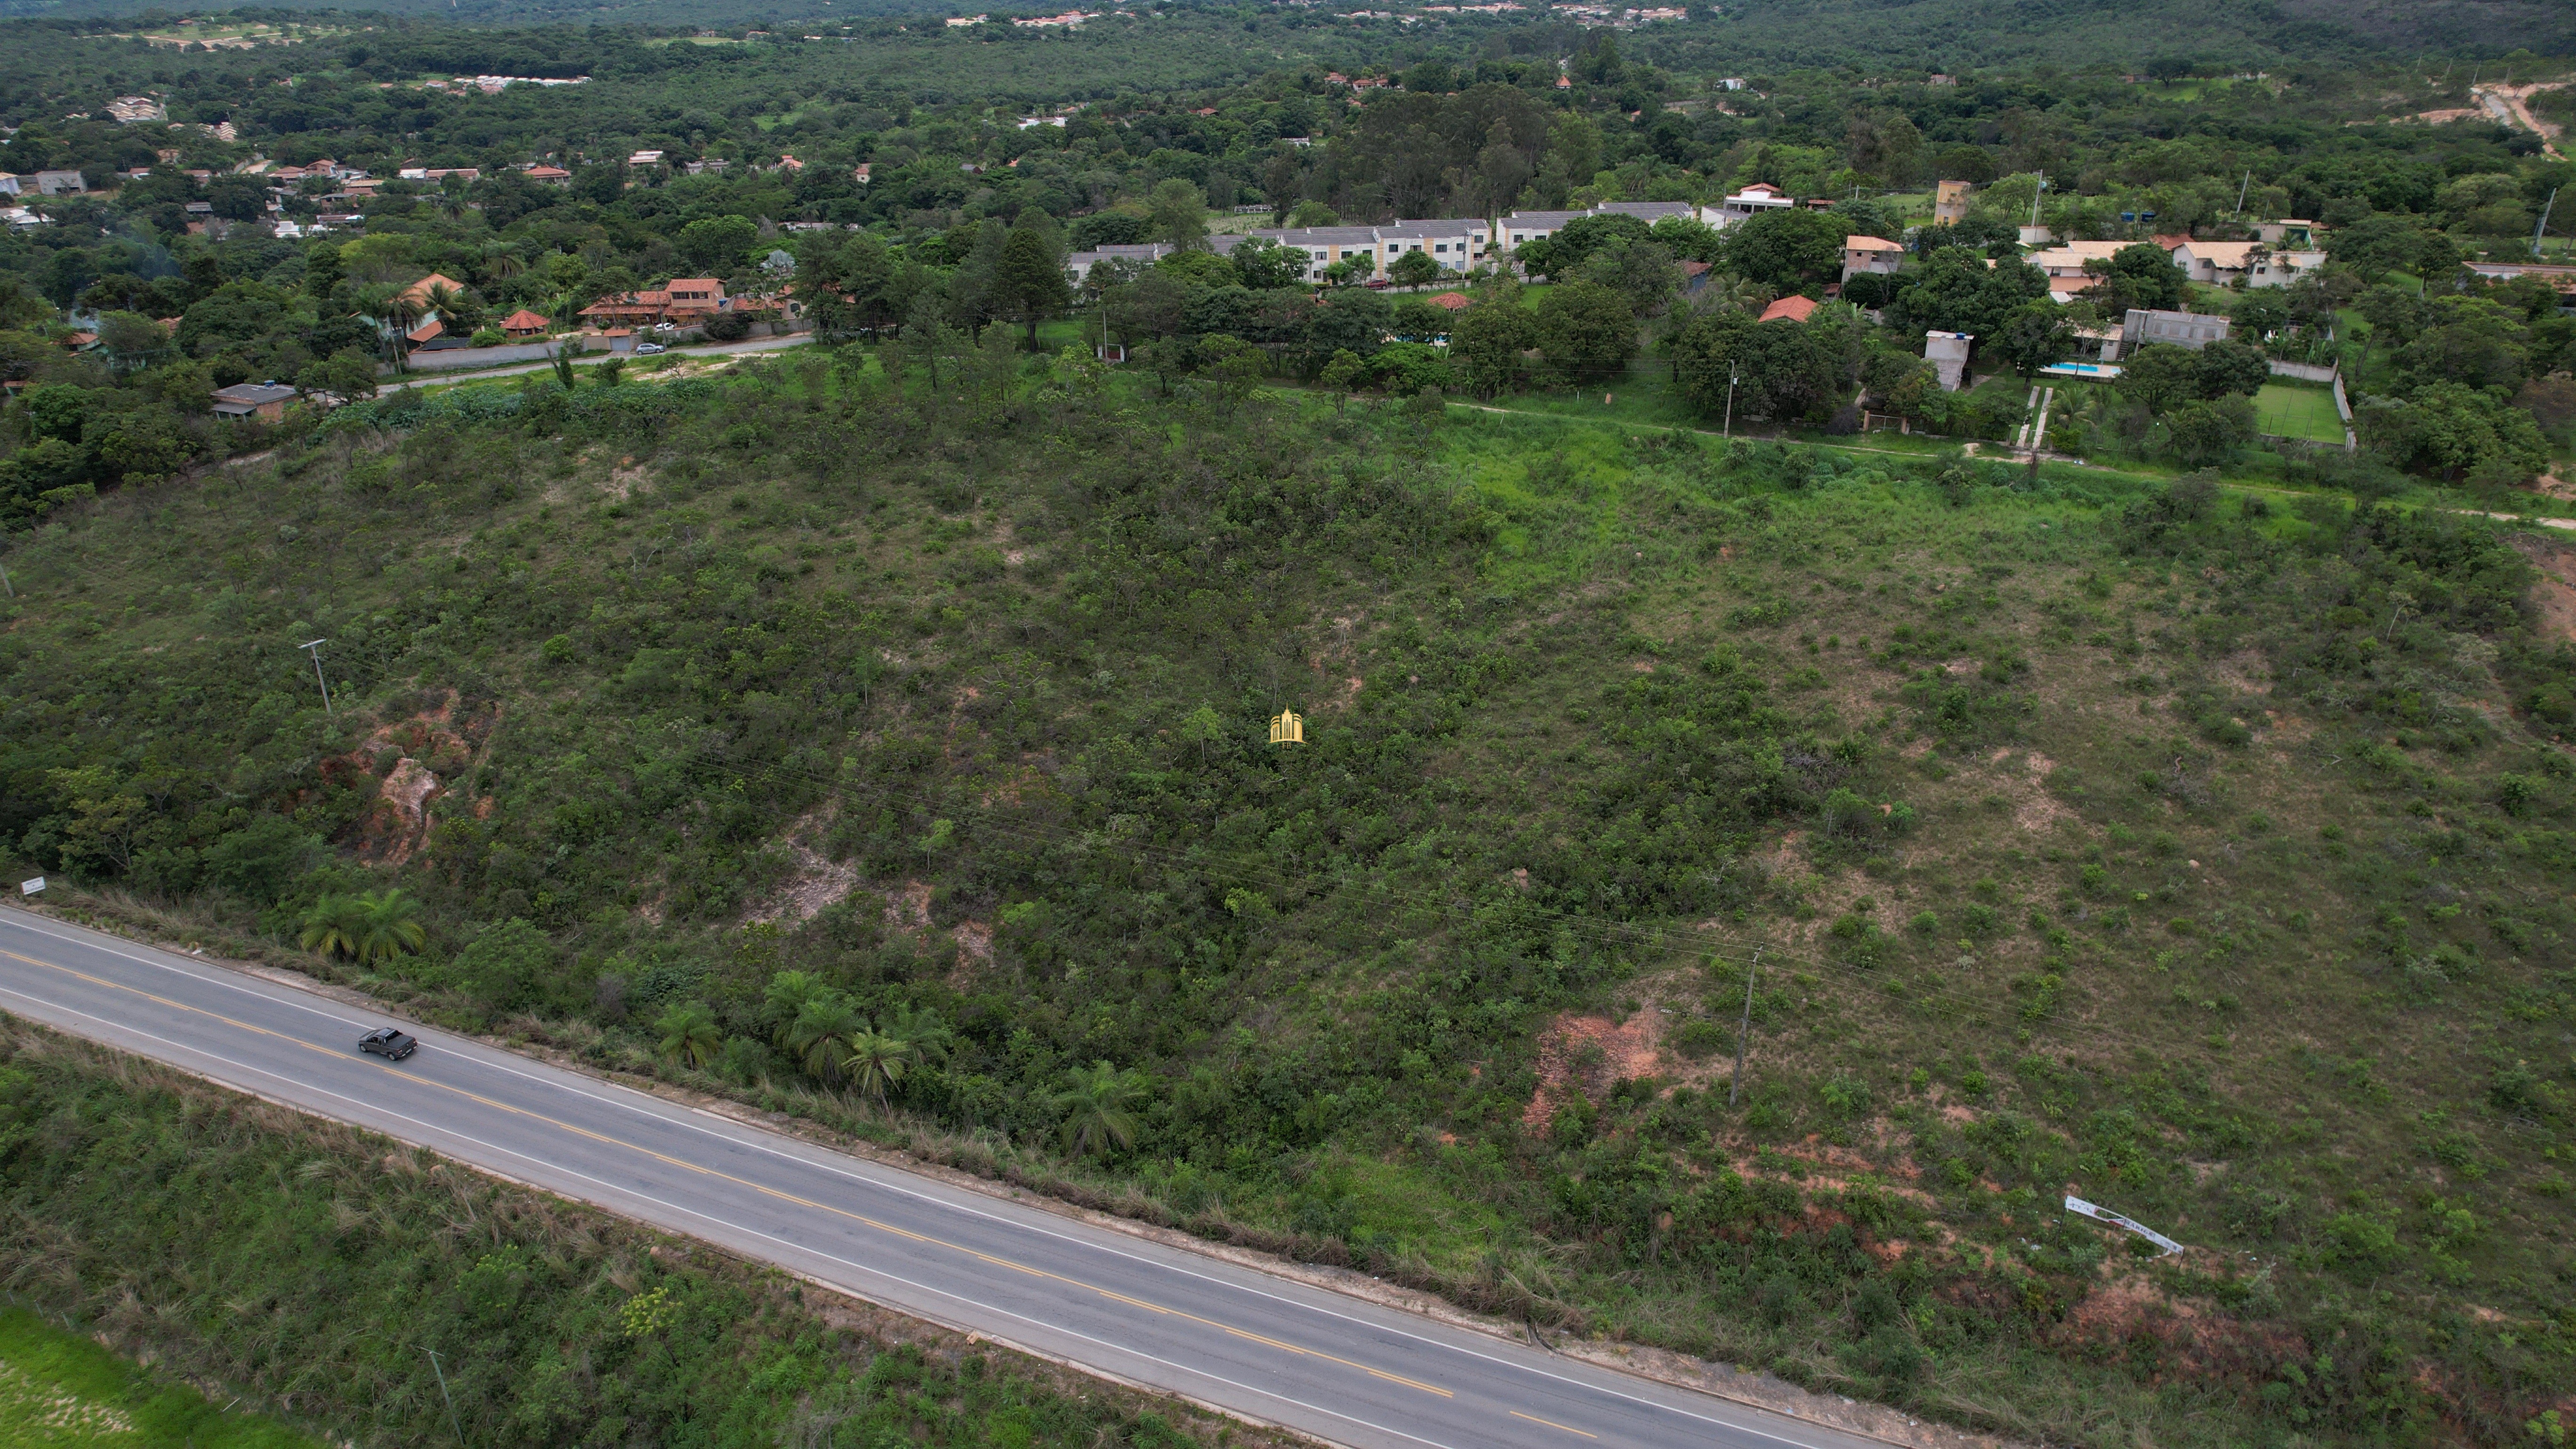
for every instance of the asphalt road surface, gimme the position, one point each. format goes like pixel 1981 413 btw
pixel 1339 1368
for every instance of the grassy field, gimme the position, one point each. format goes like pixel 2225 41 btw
pixel 2200 852
pixel 2293 410
pixel 59 1390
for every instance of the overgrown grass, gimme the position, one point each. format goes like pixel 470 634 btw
pixel 2199 851
pixel 59 1390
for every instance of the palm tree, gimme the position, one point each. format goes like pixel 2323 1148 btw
pixel 787 994
pixel 334 926
pixel 821 1021
pixel 397 311
pixel 689 1033
pixel 501 262
pixel 930 1036
pixel 877 1060
pixel 1095 1102
pixel 388 926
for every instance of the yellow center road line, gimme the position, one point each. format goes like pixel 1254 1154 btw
pixel 771 1192
pixel 1551 1423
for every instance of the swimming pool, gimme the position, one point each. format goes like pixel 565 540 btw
pixel 2092 371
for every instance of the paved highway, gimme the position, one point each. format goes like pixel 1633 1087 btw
pixel 1339 1368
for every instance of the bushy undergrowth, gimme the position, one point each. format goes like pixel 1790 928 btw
pixel 316 1269
pixel 2095 837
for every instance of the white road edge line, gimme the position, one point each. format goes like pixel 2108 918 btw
pixel 720 1222
pixel 479 1052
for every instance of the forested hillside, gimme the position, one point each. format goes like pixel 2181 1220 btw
pixel 859 746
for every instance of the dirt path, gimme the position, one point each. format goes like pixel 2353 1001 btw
pixel 2507 105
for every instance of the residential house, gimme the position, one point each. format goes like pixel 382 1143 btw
pixel 2193 330
pixel 2218 263
pixel 1141 254
pixel 264 400
pixel 524 324
pixel 10 185
pixel 862 171
pixel 1648 212
pixel 1950 202
pixel 645 158
pixel 1325 246
pixel 627 309
pixel 2283 266
pixel 1455 243
pixel 60 183
pixel 1530 226
pixel 1870 254
pixel 1789 309
pixel 547 175
pixel 1753 200
pixel 696 298
pixel 2290 233
pixel 1452 301
pixel 422 290
pixel 1948 354
pixel 433 335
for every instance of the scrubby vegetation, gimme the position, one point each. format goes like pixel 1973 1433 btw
pixel 221 1239
pixel 896 755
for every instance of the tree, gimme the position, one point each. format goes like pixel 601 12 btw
pixel 1586 331
pixel 1955 291
pixel 388 925
pixel 1777 369
pixel 877 1060
pixel 1179 212
pixel 1029 281
pixel 2449 430
pixel 2140 274
pixel 507 963
pixel 717 244
pixel 2160 377
pixel 131 341
pixel 1414 269
pixel 1642 273
pixel 1486 343
pixel 1096 1104
pixel 689 1034
pixel 784 998
pixel 2034 335
pixel 812 1035
pixel 1787 248
pixel 343 377
pixel 2229 366
pixel 2210 431
pixel 1266 265
pixel 1344 375
pixel 333 926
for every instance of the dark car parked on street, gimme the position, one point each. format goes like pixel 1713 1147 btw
pixel 386 1042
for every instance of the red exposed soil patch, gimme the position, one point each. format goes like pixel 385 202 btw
pixel 2554 593
pixel 2183 1338
pixel 1581 1056
pixel 432 747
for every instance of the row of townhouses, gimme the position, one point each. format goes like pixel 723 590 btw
pixel 1456 243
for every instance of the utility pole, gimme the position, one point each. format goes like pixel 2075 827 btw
pixel 12 589
pixel 315 649
pixel 2538 231
pixel 2240 192
pixel 444 1394
pixel 1731 377
pixel 1735 1085
pixel 2034 198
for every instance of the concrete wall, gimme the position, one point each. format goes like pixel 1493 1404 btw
pixel 2303 371
pixel 456 358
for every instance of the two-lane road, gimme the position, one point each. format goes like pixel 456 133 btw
pixel 1336 1367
